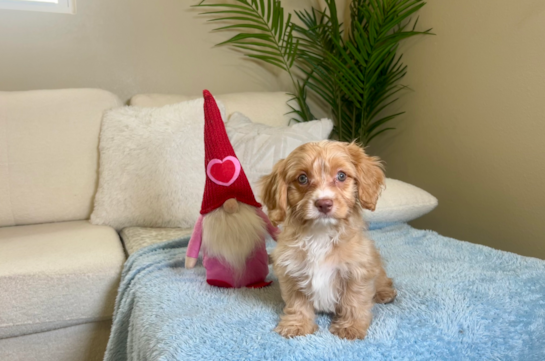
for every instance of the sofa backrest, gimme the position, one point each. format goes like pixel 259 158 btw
pixel 49 153
pixel 268 108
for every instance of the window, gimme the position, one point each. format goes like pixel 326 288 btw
pixel 52 6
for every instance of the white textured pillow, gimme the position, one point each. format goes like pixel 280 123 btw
pixel 259 146
pixel 400 202
pixel 151 166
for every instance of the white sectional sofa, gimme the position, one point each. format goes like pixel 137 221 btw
pixel 58 273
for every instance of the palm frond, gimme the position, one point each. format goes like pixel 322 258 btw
pixel 366 66
pixel 355 69
pixel 264 33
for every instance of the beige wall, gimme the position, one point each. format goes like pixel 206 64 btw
pixel 125 46
pixel 474 133
pixel 475 124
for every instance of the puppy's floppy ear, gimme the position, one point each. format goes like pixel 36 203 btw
pixel 369 176
pixel 274 192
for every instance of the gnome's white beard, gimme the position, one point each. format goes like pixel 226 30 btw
pixel 232 237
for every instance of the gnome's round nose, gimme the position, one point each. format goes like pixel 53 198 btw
pixel 230 205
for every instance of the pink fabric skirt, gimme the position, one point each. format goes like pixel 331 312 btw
pixel 220 274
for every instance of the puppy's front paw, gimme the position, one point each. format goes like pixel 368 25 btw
pixel 385 295
pixel 293 328
pixel 352 332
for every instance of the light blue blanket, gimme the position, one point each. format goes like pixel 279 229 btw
pixel 456 301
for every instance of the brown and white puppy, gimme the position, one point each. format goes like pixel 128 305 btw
pixel 324 260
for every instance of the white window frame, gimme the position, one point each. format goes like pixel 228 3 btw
pixel 63 6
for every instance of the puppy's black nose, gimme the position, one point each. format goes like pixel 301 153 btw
pixel 324 205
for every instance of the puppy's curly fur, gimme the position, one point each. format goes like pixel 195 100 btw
pixel 323 260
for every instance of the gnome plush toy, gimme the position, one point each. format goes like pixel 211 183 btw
pixel 232 227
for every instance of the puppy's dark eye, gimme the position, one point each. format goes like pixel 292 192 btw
pixel 341 176
pixel 302 179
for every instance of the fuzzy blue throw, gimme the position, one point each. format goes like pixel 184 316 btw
pixel 456 301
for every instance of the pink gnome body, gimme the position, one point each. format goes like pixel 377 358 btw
pixel 220 273
pixel 232 227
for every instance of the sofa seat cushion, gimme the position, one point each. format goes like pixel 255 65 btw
pixel 57 274
pixel 136 238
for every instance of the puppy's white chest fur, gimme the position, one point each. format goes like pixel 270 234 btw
pixel 316 277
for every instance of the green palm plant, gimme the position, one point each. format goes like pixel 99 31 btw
pixel 354 69
pixel 265 33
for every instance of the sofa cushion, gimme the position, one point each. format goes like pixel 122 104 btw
pixel 49 153
pixel 400 202
pixel 85 342
pixel 268 108
pixel 136 238
pixel 151 166
pixel 57 274
pixel 259 147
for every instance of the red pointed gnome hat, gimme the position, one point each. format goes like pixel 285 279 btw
pixel 225 177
